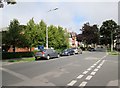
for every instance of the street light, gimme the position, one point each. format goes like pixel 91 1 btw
pixel 47 29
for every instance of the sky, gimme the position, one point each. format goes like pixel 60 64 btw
pixel 71 14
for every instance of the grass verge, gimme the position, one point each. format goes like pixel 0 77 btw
pixel 22 60
pixel 113 53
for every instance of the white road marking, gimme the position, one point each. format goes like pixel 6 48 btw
pixel 72 83
pixel 16 74
pixel 89 69
pixel 93 73
pixel 96 69
pixel 89 77
pixel 98 66
pixel 80 76
pixel 85 72
pixel 92 66
pixel 95 64
pixel 104 56
pixel 83 84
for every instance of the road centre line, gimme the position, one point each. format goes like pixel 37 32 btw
pixel 72 83
pixel 89 69
pixel 93 73
pixel 89 77
pixel 98 66
pixel 83 84
pixel 96 69
pixel 80 76
pixel 95 64
pixel 92 66
pixel 85 72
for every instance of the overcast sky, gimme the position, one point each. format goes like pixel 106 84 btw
pixel 71 14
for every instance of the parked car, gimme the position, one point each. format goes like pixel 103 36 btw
pixel 47 53
pixel 91 49
pixel 68 52
pixel 77 50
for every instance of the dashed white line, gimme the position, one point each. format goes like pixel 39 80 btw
pixel 96 69
pixel 89 69
pixel 98 66
pixel 95 64
pixel 72 83
pixel 89 77
pixel 83 84
pixel 85 72
pixel 80 76
pixel 93 73
pixel 92 66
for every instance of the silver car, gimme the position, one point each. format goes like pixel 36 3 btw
pixel 46 53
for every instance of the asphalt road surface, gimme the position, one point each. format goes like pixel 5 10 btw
pixel 87 69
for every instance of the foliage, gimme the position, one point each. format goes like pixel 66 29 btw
pixel 11 55
pixel 13 36
pixel 108 27
pixel 22 60
pixel 90 34
pixel 57 37
pixel 32 35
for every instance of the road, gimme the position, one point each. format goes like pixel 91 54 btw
pixel 87 69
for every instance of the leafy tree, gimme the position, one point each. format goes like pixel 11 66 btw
pixel 13 36
pixel 57 37
pixel 41 38
pixel 31 33
pixel 90 34
pixel 107 30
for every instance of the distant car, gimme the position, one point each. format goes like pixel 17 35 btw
pixel 68 52
pixel 77 50
pixel 91 49
pixel 47 53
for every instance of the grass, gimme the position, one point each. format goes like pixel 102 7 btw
pixel 22 60
pixel 113 52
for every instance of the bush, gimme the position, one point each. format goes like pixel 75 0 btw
pixel 11 55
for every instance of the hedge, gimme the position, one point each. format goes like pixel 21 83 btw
pixel 12 55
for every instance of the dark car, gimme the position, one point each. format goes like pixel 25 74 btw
pixel 91 49
pixel 68 52
pixel 46 53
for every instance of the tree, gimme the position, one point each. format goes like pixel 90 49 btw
pixel 31 33
pixel 107 31
pixel 41 38
pixel 90 34
pixel 57 37
pixel 13 36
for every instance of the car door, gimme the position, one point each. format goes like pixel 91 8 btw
pixel 55 54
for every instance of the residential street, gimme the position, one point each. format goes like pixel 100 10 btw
pixel 87 69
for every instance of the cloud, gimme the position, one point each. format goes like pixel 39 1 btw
pixel 71 15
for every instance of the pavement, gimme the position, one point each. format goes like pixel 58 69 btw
pixel 87 69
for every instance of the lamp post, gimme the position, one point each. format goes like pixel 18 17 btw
pixel 47 29
pixel 111 41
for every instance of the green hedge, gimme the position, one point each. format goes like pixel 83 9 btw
pixel 12 55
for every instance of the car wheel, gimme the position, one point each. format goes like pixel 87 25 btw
pixel 48 57
pixel 74 53
pixel 68 54
pixel 58 56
